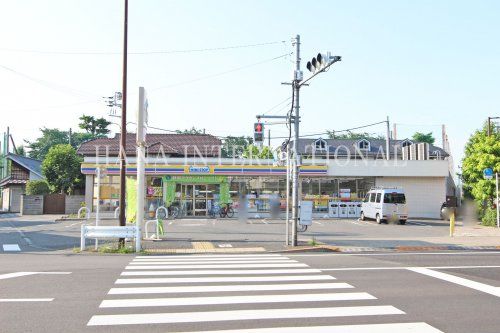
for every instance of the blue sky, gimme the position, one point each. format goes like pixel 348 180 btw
pixel 422 63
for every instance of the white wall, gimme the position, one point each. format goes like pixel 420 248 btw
pixel 392 168
pixel 424 195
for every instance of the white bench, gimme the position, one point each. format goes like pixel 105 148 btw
pixel 98 232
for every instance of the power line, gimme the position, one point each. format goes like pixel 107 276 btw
pixel 219 74
pixel 211 49
pixel 51 85
pixel 280 103
pixel 283 137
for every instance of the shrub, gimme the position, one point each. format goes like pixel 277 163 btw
pixel 37 187
pixel 489 217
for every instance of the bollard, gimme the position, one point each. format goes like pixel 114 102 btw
pixel 452 223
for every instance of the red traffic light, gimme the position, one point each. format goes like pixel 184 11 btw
pixel 258 127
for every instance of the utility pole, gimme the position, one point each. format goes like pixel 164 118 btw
pixel 319 64
pixel 388 141
pixel 69 136
pixel 297 77
pixel 269 138
pixel 123 136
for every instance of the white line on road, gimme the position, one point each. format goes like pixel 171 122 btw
pixel 485 288
pixel 214 316
pixel 225 272
pixel 218 266
pixel 367 328
pixel 7 300
pixel 126 303
pixel 279 261
pixel 243 287
pixel 11 247
pixel 19 274
pixel 73 224
pixel 395 254
pixel 227 279
pixel 208 256
pixel 403 267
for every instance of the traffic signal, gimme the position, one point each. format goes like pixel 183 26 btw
pixel 258 132
pixel 321 61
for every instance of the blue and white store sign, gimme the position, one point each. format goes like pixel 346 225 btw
pixel 199 169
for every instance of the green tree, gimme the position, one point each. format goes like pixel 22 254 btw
pixel 50 137
pixel 37 187
pixel 253 151
pixel 234 146
pixel 61 168
pixel 21 151
pixel 95 126
pixel 53 136
pixel 423 137
pixel 481 152
pixel 354 136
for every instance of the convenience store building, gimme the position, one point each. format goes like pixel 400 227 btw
pixel 189 171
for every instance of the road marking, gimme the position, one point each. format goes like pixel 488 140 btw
pixel 485 288
pixel 148 302
pixel 168 263
pixel 11 248
pixel 218 266
pixel 225 272
pixel 206 259
pixel 224 245
pixel 420 224
pixel 242 287
pixel 208 256
pixel 19 274
pixel 395 254
pixel 5 300
pixel 370 328
pixel 403 268
pixel 214 316
pixel 227 279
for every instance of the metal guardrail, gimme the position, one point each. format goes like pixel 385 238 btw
pixel 105 232
pixel 156 220
pixel 87 213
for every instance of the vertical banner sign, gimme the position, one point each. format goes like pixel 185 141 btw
pixel 142 122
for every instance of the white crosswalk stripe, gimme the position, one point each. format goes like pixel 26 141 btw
pixel 222 289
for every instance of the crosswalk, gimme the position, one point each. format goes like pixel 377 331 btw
pixel 264 293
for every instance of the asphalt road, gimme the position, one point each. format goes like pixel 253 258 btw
pixel 113 293
pixel 41 233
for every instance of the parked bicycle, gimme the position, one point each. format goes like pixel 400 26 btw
pixel 214 210
pixel 226 211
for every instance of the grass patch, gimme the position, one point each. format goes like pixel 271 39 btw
pixel 116 249
pixel 313 242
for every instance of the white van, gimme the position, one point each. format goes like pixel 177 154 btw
pixel 383 204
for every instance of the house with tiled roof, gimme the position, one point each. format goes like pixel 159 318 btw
pixel 19 170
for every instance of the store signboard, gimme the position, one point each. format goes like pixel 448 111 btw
pixel 199 169
pixel 345 194
pixel 306 208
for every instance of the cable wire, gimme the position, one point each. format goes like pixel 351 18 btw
pixel 210 49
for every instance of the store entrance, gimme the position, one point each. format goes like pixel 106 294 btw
pixel 196 199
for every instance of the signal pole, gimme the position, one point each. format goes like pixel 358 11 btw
pixel 297 77
pixel 319 64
